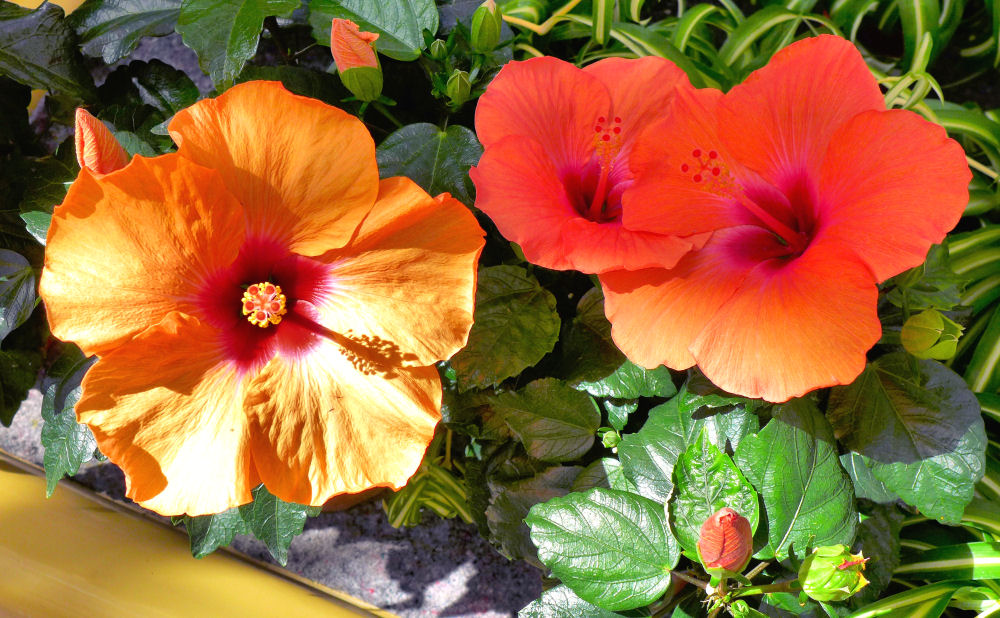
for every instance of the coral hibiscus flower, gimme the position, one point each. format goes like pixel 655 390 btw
pixel 264 309
pixel 815 193
pixel 557 141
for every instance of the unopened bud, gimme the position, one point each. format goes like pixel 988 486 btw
pixel 726 541
pixel 438 50
pixel 356 60
pixel 486 23
pixel 96 147
pixel 929 334
pixel 611 439
pixel 458 87
pixel 832 573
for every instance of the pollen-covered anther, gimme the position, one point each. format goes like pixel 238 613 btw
pixel 607 138
pixel 264 304
pixel 706 167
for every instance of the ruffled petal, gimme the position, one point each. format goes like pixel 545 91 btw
pixel 327 424
pixel 548 100
pixel 126 249
pixel 304 171
pixel 409 275
pixel 169 413
pixel 892 185
pixel 676 191
pixel 781 119
pixel 793 326
pixel 656 314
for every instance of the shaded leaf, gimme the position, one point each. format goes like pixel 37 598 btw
pixel 606 472
pixel 18 372
pixel 630 381
pixel 17 291
pixel 699 392
pixel 588 352
pixel 554 422
pixel 299 80
pixel 210 532
pixel 878 540
pixel 111 29
pixel 866 486
pixel 437 160
pixel 399 24
pixel 38 48
pixel 274 521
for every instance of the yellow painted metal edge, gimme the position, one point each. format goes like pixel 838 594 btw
pixel 79 553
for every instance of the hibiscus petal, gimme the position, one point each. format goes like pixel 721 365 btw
pixel 409 275
pixel 656 314
pixel 326 425
pixel 793 326
pixel 549 100
pixel 781 119
pixel 304 171
pixel 169 413
pixel 892 185
pixel 125 249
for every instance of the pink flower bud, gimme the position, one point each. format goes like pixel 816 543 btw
pixel 726 541
pixel 351 47
pixel 96 148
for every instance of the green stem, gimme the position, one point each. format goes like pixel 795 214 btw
pixel 789 586
pixel 691 580
pixel 385 112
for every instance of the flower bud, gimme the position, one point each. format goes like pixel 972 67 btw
pixel 486 23
pixel 438 50
pixel 726 541
pixel 930 334
pixel 96 148
pixel 832 573
pixel 356 60
pixel 458 87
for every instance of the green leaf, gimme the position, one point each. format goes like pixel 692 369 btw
pixel 630 381
pixel 922 436
pixel 111 29
pixel 606 472
pixel 707 480
pixel 18 372
pixel 510 503
pixel 38 48
pixel 612 548
pixel 436 160
pixel 928 601
pixel 699 392
pixel 399 24
pixel 68 444
pixel 554 422
pixel 225 33
pixel 516 324
pixel 274 521
pixel 210 532
pixel 648 456
pixel 792 462
pixel 299 80
pixel 588 352
pixel 37 223
pixel 17 291
pixel 50 178
pixel 965 561
pixel 618 413
pixel 878 540
pixel 561 602
pixel 932 285
pixel 866 486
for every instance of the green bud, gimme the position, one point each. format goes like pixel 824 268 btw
pixel 486 22
pixel 363 82
pixel 832 573
pixel 611 438
pixel 438 50
pixel 929 334
pixel 458 87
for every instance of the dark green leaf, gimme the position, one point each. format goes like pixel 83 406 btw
pixel 932 285
pixel 210 532
pixel 707 480
pixel 648 456
pixel 68 444
pixel 437 160
pixel 618 413
pixel 878 540
pixel 274 521
pixel 14 128
pixel 612 548
pixel 793 464
pixel 510 503
pixel 18 372
pixel 921 435
pixel 561 602
pixel 37 223
pixel 516 324
pixel 588 352
pixel 605 472
pixel 399 24
pixel 866 486
pixel 225 33
pixel 631 381
pixel 112 29
pixel 554 422
pixel 299 80
pixel 50 179
pixel 698 392
pixel 17 291
pixel 38 48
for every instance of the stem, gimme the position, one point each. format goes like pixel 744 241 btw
pixel 691 580
pixel 385 112
pixel 757 570
pixel 271 23
pixel 789 586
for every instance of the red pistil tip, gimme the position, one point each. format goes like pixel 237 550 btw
pixel 697 178
pixel 264 304
pixel 712 154
pixel 602 119
pixel 685 167
pixel 617 119
pixel 696 153
pixel 716 171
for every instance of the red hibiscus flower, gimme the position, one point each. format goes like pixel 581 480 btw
pixel 815 193
pixel 558 140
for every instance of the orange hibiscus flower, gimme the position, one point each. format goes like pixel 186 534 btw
pixel 264 309
pixel 815 193
pixel 558 141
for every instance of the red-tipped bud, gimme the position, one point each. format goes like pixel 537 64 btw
pixel 96 148
pixel 356 60
pixel 726 541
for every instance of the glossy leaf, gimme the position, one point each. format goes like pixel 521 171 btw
pixel 17 291
pixel 516 324
pixel 210 532
pixel 437 160
pixel 554 422
pixel 965 561
pixel 792 462
pixel 562 602
pixel 399 24
pixel 618 413
pixel 612 548
pixel 68 444
pixel 606 472
pixel 112 29
pixel 274 521
pixel 630 381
